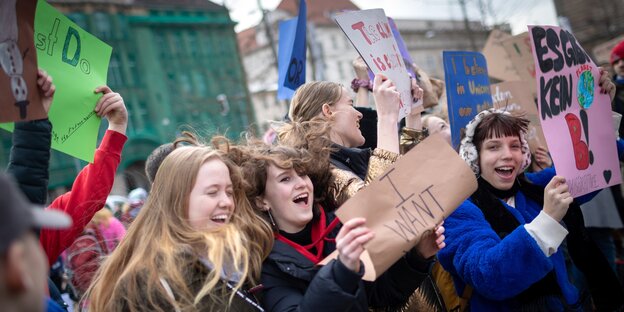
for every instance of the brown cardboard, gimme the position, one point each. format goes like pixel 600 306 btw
pixel 21 63
pixel 516 97
pixel 499 63
pixel 431 176
pixel 519 51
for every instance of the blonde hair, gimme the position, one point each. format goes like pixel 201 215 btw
pixel 102 217
pixel 308 100
pixel 161 240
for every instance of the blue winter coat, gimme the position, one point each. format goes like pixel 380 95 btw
pixel 500 269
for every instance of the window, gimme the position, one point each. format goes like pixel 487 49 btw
pixel 115 79
pixel 102 25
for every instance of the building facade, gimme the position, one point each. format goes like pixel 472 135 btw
pixel 176 64
pixel 330 54
pixel 592 22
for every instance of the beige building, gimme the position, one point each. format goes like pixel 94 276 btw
pixel 330 53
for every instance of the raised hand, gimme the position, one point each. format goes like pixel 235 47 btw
pixel 46 89
pixel 387 98
pixel 111 106
pixel 542 158
pixel 557 198
pixel 350 242
pixel 606 84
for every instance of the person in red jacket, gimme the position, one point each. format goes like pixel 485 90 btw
pixel 29 160
pixel 95 181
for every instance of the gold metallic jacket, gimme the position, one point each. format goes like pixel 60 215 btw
pixel 345 184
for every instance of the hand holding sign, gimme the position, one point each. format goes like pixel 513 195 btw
pixel 111 105
pixel 606 84
pixel 350 242
pixel 557 198
pixel 46 89
pixel 432 242
pixel 386 96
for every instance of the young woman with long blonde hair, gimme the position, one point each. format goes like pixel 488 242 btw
pixel 196 245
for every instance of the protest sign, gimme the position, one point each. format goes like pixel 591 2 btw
pixel 296 71
pixel 413 196
pixel 407 58
pixel 78 63
pixel 519 52
pixel 575 116
pixel 370 34
pixel 287 30
pixel 467 88
pixel 18 63
pixel 515 97
pixel 500 65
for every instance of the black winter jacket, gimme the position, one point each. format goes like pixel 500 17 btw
pixel 30 157
pixel 293 283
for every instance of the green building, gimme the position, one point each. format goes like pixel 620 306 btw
pixel 175 63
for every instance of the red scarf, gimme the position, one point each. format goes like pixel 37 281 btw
pixel 320 229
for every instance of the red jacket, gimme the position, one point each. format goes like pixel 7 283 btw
pixel 88 195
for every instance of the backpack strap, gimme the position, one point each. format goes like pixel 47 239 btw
pixel 167 288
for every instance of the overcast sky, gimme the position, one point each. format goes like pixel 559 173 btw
pixel 518 13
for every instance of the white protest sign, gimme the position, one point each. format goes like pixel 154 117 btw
pixel 371 35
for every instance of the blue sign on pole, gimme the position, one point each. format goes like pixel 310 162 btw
pixel 467 88
pixel 296 72
pixel 287 30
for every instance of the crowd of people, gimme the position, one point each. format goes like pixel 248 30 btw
pixel 244 226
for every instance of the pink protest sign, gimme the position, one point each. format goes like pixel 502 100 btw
pixel 575 116
pixel 371 35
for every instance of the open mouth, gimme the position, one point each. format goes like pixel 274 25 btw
pixel 222 218
pixel 301 199
pixel 505 172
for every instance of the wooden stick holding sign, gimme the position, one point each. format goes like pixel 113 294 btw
pixel 420 190
pixel 371 35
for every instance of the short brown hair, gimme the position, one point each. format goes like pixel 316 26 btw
pixel 499 125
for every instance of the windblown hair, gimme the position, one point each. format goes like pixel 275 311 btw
pixel 162 245
pixel 499 125
pixel 308 100
pixel 254 157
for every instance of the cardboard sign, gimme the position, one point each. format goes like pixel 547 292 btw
pixel 78 63
pixel 575 116
pixel 296 71
pixel 515 97
pixel 467 88
pixel 18 63
pixel 500 65
pixel 419 191
pixel 519 52
pixel 370 34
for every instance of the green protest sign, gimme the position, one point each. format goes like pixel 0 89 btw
pixel 78 63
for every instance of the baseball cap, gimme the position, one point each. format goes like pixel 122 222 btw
pixel 18 215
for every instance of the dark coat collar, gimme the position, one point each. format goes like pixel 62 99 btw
pixel 351 159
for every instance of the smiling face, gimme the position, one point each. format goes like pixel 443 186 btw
pixel 345 122
pixel 500 160
pixel 211 202
pixel 289 196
